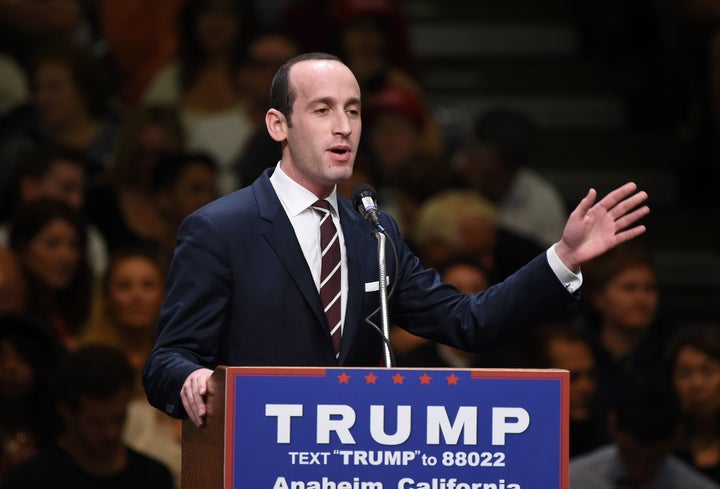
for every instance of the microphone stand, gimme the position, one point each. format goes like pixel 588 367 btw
pixel 382 286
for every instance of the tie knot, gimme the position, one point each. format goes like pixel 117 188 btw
pixel 322 206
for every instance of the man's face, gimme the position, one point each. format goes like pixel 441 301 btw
pixel 324 130
pixel 641 461
pixel 630 299
pixel 576 357
pixel 97 425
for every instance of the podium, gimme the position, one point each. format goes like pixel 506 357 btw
pixel 364 428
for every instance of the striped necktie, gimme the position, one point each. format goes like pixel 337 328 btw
pixel 330 288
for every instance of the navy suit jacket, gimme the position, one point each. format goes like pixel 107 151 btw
pixel 240 292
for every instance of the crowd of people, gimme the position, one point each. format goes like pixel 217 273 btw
pixel 110 138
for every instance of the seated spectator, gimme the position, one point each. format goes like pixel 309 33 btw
pixel 395 123
pixel 265 54
pixel 202 83
pixel 125 317
pixel 71 107
pixel 57 173
pixel 92 388
pixel 48 237
pixel 466 275
pixel 462 222
pixel 182 183
pixel 622 299
pixel 28 420
pixel 496 165
pixel 370 38
pixel 121 203
pixel 12 283
pixel 694 367
pixel 564 346
pixel 643 428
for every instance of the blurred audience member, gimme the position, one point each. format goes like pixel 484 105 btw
pixel 264 56
pixel 496 164
pixel 92 387
pixel 57 173
pixel 202 84
pixel 122 204
pixel 12 283
pixel 128 303
pixel 643 430
pixel 564 346
pixel 622 292
pixel 395 125
pixel 466 275
pixel 137 54
pixel 71 107
pixel 462 222
pixel 125 317
pixel 182 183
pixel 27 418
pixel 49 239
pixel 26 26
pixel 13 85
pixel 694 367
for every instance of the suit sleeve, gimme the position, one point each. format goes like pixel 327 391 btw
pixel 429 308
pixel 197 298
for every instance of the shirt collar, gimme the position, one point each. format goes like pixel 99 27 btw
pixel 294 196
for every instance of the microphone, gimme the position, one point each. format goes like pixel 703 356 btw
pixel 364 198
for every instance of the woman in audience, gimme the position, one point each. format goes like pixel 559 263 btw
pixel 48 237
pixel 694 363
pixel 121 204
pixel 128 303
pixel 202 83
pixel 126 310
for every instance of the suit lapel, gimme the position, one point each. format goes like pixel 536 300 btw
pixel 281 237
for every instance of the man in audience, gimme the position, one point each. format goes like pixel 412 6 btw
pixel 562 345
pixel 643 429
pixel 93 386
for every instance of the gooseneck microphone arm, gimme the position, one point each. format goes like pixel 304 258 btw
pixel 365 201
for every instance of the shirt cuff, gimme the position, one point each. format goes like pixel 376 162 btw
pixel 569 279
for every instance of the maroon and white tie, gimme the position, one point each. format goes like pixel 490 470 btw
pixel 330 283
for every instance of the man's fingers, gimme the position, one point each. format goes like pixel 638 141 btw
pixel 617 195
pixel 629 234
pixel 632 217
pixel 628 204
pixel 587 202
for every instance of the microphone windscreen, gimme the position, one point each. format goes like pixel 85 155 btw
pixel 362 190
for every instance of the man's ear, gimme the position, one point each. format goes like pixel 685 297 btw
pixel 276 125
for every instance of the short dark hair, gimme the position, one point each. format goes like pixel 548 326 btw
pixel 282 95
pixel 92 371
pixel 546 333
pixel 703 337
pixel 647 410
pixel 171 165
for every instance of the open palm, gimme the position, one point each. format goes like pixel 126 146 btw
pixel 593 228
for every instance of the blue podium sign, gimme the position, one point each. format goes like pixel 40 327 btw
pixel 359 428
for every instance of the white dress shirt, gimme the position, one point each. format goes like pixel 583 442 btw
pixel 297 202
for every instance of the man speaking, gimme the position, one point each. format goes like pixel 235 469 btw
pixel 284 272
